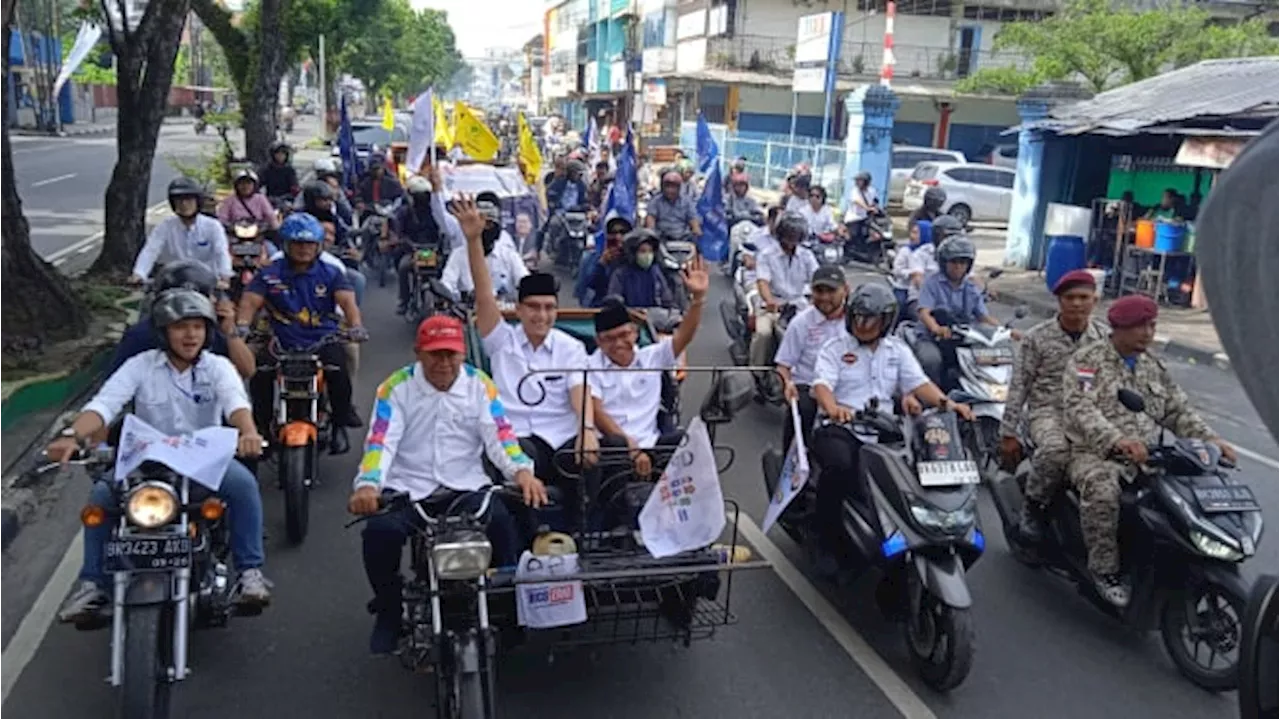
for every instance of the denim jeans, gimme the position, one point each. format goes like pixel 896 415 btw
pixel 244 512
pixel 358 282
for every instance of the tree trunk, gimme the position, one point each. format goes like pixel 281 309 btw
pixel 261 113
pixel 144 72
pixel 38 303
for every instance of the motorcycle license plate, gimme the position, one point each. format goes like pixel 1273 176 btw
pixel 1230 498
pixel 947 474
pixel 148 554
pixel 246 249
pixel 993 355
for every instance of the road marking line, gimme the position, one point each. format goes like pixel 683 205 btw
pixel 1269 461
pixel 903 698
pixel 86 248
pixel 35 625
pixel 52 180
pixel 83 246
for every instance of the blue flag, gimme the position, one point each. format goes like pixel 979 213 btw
pixel 622 193
pixel 347 149
pixel 714 243
pixel 708 150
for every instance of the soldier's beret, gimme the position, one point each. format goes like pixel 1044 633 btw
pixel 1131 311
pixel 1074 278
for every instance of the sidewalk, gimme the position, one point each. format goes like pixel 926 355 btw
pixel 89 129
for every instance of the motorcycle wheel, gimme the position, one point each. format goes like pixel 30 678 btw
pixel 293 479
pixel 1217 627
pixel 145 693
pixel 468 700
pixel 1258 661
pixel 940 639
pixel 984 438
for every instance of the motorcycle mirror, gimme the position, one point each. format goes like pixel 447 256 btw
pixel 1021 311
pixel 1131 400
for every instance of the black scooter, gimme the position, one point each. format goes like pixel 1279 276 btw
pixel 874 245
pixel 1184 529
pixel 917 523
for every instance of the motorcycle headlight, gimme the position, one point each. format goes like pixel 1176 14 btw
pixel 151 505
pixel 1211 547
pixel 949 522
pixel 465 556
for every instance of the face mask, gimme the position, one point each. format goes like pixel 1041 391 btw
pixel 644 260
pixel 491 233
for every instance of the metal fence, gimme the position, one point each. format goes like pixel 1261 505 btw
pixel 769 158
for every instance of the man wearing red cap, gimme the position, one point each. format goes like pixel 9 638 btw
pixel 1098 427
pixel 432 420
pixel 1035 394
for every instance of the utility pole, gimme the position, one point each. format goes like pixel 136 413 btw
pixel 324 94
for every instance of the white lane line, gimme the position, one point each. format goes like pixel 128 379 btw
pixel 906 701
pixel 83 246
pixel 1263 459
pixel 83 250
pixel 52 180
pixel 35 625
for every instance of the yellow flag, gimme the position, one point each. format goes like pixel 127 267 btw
pixel 473 136
pixel 388 115
pixel 530 157
pixel 444 133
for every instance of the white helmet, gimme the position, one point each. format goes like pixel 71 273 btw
pixel 325 166
pixel 418 185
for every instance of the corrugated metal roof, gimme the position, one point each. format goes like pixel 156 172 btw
pixel 1211 88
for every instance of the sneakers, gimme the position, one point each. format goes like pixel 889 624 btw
pixel 85 601
pixel 402 307
pixel 339 443
pixel 1113 587
pixel 385 638
pixel 253 589
pixel 1031 524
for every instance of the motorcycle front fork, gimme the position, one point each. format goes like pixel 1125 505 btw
pixel 179 597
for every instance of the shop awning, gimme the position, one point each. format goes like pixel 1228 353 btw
pixel 1212 152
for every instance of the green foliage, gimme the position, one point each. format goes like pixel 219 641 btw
pixel 1103 45
pixel 398 50
pixel 212 168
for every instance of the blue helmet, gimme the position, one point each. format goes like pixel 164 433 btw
pixel 301 227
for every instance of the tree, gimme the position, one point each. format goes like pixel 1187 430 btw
pixel 145 50
pixel 1103 46
pixel 38 304
pixel 399 50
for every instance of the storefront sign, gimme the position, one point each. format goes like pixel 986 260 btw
pixel 813 41
pixel 555 86
pixel 655 91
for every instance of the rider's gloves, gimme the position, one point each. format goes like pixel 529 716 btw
pixel 358 334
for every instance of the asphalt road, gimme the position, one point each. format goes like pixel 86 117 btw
pixel 1042 651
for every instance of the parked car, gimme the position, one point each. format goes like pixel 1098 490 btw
pixel 1003 156
pixel 974 191
pixel 905 159
pixel 368 133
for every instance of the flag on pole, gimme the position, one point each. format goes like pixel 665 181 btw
pixel 444 132
pixel 530 156
pixel 708 150
pixel 347 148
pixel 591 141
pixel 475 138
pixel 388 115
pixel 622 193
pixel 421 134
pixel 714 243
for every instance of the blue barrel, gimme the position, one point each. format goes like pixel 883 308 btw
pixel 1170 236
pixel 1066 253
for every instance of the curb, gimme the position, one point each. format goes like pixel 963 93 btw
pixel 1045 308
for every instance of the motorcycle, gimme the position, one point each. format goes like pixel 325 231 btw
pixel 740 233
pixel 374 231
pixel 916 522
pixel 825 248
pixel 427 296
pixel 300 426
pixel 1184 529
pixel 874 246
pixel 737 313
pixel 568 236
pixel 1258 652
pixel 169 556
pixel 248 253
pixel 674 255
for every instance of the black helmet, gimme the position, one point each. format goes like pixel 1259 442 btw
pixel 935 198
pixel 957 248
pixel 181 304
pixel 793 225
pixel 316 190
pixel 873 299
pixel 185 187
pixel 946 226
pixel 576 168
pixel 186 275
pixel 280 146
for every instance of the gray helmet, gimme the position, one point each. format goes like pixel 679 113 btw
pixel 792 224
pixel 957 248
pixel 316 190
pixel 873 299
pixel 864 176
pixel 181 304
pixel 946 226
pixel 185 187
pixel 246 173
pixel 935 197
pixel 576 168
pixel 188 275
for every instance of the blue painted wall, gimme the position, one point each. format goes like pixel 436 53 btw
pixel 755 123
pixel 913 133
pixel 971 139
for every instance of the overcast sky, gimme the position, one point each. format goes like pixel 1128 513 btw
pixel 482 24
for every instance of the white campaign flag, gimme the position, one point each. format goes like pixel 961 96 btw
pixel 685 510
pixel 795 472
pixel 203 455
pixel 86 38
pixel 423 132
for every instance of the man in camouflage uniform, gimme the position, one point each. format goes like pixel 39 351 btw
pixel 1099 427
pixel 1035 394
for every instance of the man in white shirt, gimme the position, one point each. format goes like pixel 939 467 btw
pixel 506 266
pixel 850 371
pixel 177 389
pixel 782 275
pixel 432 422
pixel 549 411
pixel 808 331
pixel 187 235
pixel 626 404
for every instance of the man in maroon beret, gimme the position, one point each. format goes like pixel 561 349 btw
pixel 1034 405
pixel 1108 440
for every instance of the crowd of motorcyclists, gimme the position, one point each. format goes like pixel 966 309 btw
pixel 836 349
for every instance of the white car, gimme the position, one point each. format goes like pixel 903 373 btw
pixel 1004 156
pixel 974 191
pixel 905 158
